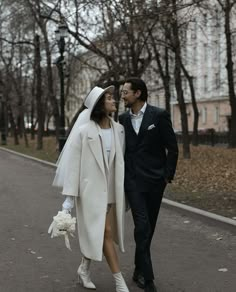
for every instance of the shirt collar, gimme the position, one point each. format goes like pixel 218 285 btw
pixel 142 110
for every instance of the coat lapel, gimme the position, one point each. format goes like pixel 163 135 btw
pixel 95 143
pixel 118 140
pixel 113 150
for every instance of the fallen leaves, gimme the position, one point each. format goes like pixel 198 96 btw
pixel 207 180
pixel 223 270
pixel 209 168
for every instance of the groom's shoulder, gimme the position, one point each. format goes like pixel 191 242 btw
pixel 159 112
pixel 123 116
pixel 155 108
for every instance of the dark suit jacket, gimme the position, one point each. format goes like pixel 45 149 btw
pixel 151 155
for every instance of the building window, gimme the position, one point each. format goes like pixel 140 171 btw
pixel 195 82
pixel 172 90
pixel 68 106
pixel 185 84
pixel 204 115
pixel 205 19
pixel 217 51
pixel 205 53
pixel 194 31
pixel 217 80
pixel 217 18
pixel 234 41
pixel 205 83
pixel 217 115
pixel 195 53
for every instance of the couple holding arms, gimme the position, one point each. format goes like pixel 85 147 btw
pixel 106 165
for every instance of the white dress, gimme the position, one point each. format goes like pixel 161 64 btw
pixel 107 139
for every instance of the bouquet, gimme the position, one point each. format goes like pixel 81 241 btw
pixel 63 225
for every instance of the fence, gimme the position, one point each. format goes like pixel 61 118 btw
pixel 209 138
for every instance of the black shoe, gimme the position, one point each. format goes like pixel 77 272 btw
pixel 150 287
pixel 138 279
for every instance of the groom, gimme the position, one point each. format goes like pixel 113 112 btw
pixel 150 162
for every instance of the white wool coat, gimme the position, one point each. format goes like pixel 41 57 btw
pixel 86 180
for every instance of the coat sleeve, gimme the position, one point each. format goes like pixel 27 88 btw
pixel 170 144
pixel 122 139
pixel 72 177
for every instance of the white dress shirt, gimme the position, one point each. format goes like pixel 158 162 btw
pixel 138 118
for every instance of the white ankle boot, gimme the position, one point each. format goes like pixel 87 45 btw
pixel 84 274
pixel 120 283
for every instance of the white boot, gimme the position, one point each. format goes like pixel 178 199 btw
pixel 120 283
pixel 84 274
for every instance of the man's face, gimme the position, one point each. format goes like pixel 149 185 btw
pixel 129 95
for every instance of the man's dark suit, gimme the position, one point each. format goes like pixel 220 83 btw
pixel 150 161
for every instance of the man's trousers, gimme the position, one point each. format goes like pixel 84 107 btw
pixel 145 208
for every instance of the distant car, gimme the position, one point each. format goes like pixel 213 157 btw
pixel 177 131
pixel 206 131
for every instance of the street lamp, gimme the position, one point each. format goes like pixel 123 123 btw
pixel 3 127
pixel 61 33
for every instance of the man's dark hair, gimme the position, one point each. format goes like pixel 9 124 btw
pixel 138 84
pixel 99 112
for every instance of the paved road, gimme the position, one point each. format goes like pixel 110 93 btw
pixel 187 253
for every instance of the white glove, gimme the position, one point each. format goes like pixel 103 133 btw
pixel 68 204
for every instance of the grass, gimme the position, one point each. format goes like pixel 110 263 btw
pixel 206 181
pixel 49 152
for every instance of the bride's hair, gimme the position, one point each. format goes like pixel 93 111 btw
pixel 99 112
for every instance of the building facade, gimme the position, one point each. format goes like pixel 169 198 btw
pixel 205 58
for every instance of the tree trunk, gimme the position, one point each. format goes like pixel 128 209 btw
pixel 230 72
pixel 164 75
pixel 25 137
pixel 40 112
pixel 194 105
pixel 52 96
pixel 167 81
pixel 32 110
pixel 13 125
pixel 178 84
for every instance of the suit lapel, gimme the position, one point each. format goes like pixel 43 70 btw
pixel 147 118
pixel 129 125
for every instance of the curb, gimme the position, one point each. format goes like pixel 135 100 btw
pixel 199 212
pixel 44 162
pixel 168 203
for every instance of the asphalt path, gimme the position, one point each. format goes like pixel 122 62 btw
pixel 188 254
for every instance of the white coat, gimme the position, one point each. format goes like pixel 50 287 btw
pixel 86 180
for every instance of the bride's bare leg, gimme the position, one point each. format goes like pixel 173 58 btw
pixel 112 258
pixel 109 248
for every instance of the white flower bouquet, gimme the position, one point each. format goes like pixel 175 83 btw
pixel 63 225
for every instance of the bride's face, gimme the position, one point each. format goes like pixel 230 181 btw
pixel 109 103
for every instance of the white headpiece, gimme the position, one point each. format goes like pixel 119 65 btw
pixel 84 117
pixel 95 94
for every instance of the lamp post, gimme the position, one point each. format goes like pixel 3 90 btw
pixel 61 33
pixel 3 127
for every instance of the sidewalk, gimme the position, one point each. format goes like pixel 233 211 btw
pixel 187 252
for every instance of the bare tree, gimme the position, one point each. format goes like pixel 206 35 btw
pixel 228 8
